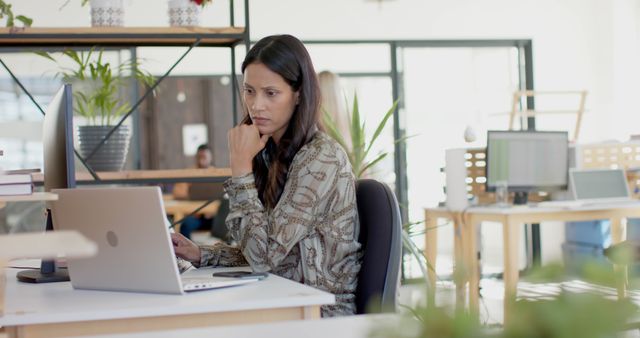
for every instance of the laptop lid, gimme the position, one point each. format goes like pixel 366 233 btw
pixel 134 245
pixel 599 184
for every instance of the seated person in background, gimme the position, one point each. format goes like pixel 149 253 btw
pixel 292 201
pixel 182 191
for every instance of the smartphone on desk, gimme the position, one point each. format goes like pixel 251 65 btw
pixel 241 274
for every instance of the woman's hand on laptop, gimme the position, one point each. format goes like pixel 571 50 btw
pixel 185 248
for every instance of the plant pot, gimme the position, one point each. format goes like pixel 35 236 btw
pixel 107 13
pixel 183 13
pixel 112 154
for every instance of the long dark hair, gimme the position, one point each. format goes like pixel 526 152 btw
pixel 286 56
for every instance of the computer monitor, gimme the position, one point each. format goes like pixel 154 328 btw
pixel 59 170
pixel 527 161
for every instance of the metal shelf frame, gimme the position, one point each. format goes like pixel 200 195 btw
pixel 130 38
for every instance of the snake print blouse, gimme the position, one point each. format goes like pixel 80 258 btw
pixel 311 236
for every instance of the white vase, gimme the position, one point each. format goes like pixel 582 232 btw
pixel 107 13
pixel 183 13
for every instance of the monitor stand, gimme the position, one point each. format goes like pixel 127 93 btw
pixel 520 198
pixel 48 272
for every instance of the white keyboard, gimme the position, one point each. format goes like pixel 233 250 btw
pixel 560 204
pixel 577 203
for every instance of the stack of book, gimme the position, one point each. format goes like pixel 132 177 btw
pixel 16 184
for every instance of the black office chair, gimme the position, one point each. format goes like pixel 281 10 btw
pixel 381 239
pixel 218 226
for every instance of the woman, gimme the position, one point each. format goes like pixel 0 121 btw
pixel 292 192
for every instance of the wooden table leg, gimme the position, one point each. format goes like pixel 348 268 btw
pixel 511 238
pixel 3 281
pixel 619 270
pixel 431 253
pixel 460 266
pixel 472 264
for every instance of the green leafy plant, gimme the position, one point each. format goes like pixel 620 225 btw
pixel 97 84
pixel 6 11
pixel 361 147
pixel 564 315
pixel 359 153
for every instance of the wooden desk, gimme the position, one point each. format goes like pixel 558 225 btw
pixel 57 310
pixel 359 326
pixel 511 218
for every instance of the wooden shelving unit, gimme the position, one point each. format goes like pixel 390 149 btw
pixel 151 176
pixel 121 36
pixel 32 38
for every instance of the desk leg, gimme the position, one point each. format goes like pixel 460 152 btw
pixel 511 238
pixel 461 266
pixel 472 264
pixel 616 230
pixel 431 252
pixel 620 270
pixel 311 312
pixel 3 281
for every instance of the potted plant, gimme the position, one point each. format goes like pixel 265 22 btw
pixel 96 90
pixel 186 12
pixel 104 13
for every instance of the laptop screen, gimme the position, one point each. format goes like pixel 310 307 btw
pixel 596 184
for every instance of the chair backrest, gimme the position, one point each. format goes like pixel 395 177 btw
pixel 219 226
pixel 381 239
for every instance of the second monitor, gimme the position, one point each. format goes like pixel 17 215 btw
pixel 527 161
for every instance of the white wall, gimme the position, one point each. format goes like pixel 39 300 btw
pixel 577 44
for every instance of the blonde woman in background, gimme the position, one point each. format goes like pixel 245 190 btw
pixel 333 103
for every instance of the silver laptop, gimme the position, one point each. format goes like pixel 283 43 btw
pixel 135 252
pixel 595 186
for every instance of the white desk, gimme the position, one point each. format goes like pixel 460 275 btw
pixel 57 310
pixel 341 327
pixel 511 218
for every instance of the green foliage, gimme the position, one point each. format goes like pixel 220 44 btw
pixel 96 84
pixel 566 315
pixel 6 11
pixel 361 147
pixel 569 315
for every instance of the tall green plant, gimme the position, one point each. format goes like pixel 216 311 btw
pixel 97 84
pixel 361 146
pixel 359 153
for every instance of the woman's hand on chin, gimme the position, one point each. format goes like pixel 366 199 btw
pixel 245 142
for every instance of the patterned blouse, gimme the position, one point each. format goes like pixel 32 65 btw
pixel 311 236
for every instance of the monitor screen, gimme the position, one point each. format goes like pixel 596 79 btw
pixel 527 160
pixel 57 137
pixel 59 171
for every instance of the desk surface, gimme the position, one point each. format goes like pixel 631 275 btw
pixel 533 208
pixel 28 304
pixel 342 327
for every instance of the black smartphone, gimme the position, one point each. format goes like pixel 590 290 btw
pixel 241 274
